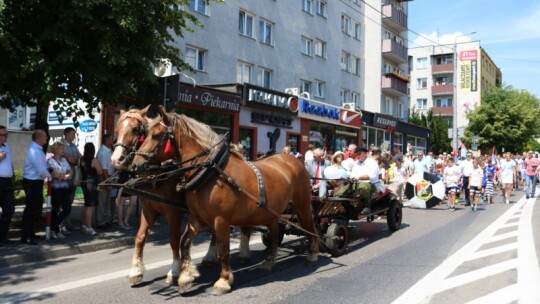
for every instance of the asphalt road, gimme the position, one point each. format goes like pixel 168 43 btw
pixel 438 256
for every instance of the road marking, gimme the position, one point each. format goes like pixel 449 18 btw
pixel 16 298
pixel 526 264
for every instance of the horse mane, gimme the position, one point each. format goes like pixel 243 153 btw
pixel 135 113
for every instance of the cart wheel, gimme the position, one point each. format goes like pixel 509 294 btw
pixel 265 237
pixel 340 238
pixel 394 215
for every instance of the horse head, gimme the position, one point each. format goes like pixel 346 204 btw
pixel 160 144
pixel 131 130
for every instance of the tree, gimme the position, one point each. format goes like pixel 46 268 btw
pixel 439 141
pixel 98 51
pixel 507 118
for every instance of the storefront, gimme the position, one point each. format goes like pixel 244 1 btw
pixel 216 108
pixel 390 134
pixel 326 126
pixel 266 122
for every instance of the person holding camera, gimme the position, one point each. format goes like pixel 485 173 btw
pixel 60 188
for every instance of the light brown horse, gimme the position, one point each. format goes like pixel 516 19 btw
pixel 217 202
pixel 130 131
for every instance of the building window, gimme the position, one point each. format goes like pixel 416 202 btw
pixel 266 30
pixel 357 30
pixel 356 66
pixel 319 88
pixel 307 46
pixel 195 57
pixel 421 83
pixel 421 103
pixel 421 63
pixel 307 6
pixel 243 72
pixel 245 24
pixel 320 48
pixel 198 6
pixel 389 106
pixel 345 61
pixel 265 78
pixel 355 98
pixel 321 8
pixel 344 96
pixel 401 113
pixel 444 80
pixel 346 24
pixel 305 86
pixel 443 102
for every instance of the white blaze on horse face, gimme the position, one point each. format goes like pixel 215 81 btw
pixel 120 151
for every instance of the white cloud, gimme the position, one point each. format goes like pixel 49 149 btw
pixel 436 39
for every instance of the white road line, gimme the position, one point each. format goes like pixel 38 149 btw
pixel 492 251
pixel 503 295
pixel 97 279
pixel 513 224
pixel 501 237
pixel 527 263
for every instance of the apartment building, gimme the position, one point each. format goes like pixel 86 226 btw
pixel 439 84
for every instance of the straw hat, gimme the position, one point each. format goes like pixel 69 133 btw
pixel 336 155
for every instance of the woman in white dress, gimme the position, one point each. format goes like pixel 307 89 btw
pixel 508 174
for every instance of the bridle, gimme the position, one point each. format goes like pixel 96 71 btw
pixel 132 147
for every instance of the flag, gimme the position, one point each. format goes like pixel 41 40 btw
pixel 493 158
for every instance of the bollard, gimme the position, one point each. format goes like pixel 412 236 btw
pixel 48 212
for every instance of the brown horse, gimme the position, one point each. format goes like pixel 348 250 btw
pixel 230 197
pixel 130 129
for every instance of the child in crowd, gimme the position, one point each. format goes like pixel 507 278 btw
pixel 451 178
pixel 489 188
pixel 475 185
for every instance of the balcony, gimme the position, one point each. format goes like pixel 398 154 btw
pixel 442 69
pixel 394 51
pixel 443 111
pixel 447 89
pixel 393 85
pixel 394 18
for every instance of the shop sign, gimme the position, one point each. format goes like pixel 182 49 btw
pixel 267 97
pixel 386 122
pixel 350 118
pixel 314 109
pixel 208 97
pixel 271 119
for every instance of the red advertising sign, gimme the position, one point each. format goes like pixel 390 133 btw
pixel 350 118
pixel 468 55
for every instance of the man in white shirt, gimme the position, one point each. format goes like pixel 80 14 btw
pixel 103 212
pixel 466 168
pixel 349 162
pixel 366 170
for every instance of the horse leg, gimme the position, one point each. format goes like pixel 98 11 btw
pixel 305 218
pixel 245 254
pixel 223 238
pixel 211 256
pixel 188 272
pixel 270 261
pixel 137 265
pixel 174 220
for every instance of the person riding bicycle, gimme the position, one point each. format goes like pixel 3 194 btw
pixel 365 169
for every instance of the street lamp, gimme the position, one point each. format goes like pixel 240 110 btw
pixel 455 108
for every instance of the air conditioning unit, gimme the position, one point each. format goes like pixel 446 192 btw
pixel 163 68
pixel 293 91
pixel 349 106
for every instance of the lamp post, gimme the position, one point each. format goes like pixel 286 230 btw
pixel 455 107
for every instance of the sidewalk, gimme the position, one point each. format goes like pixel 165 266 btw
pixel 75 243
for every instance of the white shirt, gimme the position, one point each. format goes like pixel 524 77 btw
pixel 399 174
pixel 104 157
pixel 466 167
pixel 477 177
pixel 452 176
pixel 348 164
pixel 6 165
pixel 368 167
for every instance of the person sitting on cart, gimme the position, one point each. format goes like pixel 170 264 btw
pixel 336 174
pixel 366 171
pixel 316 168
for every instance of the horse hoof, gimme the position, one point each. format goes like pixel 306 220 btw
pixel 244 260
pixel 170 279
pixel 268 265
pixel 193 272
pixel 185 282
pixel 135 279
pixel 312 258
pixel 221 287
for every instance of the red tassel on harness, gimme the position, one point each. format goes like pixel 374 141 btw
pixel 141 139
pixel 168 147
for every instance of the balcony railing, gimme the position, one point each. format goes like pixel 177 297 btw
pixel 394 17
pixel 442 68
pixel 447 89
pixel 393 85
pixel 394 51
pixel 444 111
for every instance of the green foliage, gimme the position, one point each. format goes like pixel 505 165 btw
pixel 439 141
pixel 532 145
pixel 507 118
pixel 95 51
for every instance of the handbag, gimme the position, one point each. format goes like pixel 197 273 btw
pixel 77 175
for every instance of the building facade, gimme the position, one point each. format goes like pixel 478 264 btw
pixel 448 88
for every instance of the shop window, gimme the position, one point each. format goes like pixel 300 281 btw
pixel 219 123
pixel 294 143
pixel 246 140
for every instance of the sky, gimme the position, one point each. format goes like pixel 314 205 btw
pixel 508 30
